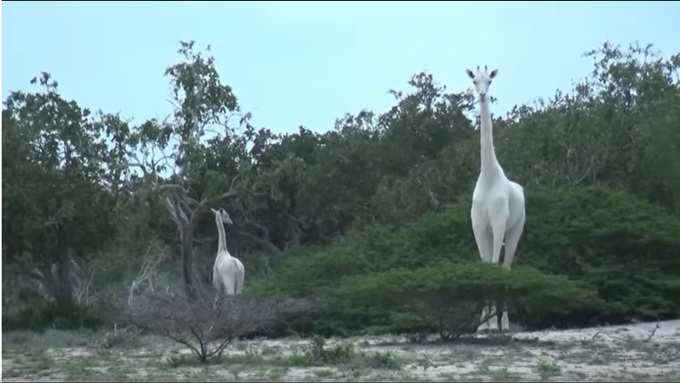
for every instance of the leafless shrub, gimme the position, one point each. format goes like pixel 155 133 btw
pixel 206 323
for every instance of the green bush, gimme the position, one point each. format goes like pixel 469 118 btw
pixel 448 296
pixel 623 247
pixel 435 237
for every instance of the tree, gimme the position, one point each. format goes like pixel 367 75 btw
pixel 422 124
pixel 618 127
pixel 202 105
pixel 60 182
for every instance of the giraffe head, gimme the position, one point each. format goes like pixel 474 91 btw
pixel 223 215
pixel 482 80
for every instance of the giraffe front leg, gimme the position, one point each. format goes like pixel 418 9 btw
pixel 505 320
pixel 493 321
pixel 484 326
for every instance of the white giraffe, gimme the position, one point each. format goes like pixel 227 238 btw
pixel 497 203
pixel 228 271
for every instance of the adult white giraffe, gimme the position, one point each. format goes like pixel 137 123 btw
pixel 497 203
pixel 228 271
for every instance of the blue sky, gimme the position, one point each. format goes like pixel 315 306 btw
pixel 294 64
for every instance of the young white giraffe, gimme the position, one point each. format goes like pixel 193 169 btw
pixel 497 203
pixel 228 271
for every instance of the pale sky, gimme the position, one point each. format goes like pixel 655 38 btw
pixel 304 63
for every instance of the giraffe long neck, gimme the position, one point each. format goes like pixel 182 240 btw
pixel 490 164
pixel 222 241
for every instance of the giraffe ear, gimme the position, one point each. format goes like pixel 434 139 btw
pixel 493 73
pixel 227 218
pixel 469 73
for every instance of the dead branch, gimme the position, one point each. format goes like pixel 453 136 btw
pixel 597 333
pixel 653 332
pixel 147 270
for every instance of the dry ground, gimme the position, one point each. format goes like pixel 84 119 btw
pixel 615 353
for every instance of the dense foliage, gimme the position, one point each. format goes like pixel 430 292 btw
pixel 378 195
pixel 607 255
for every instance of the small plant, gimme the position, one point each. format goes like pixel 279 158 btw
pixel 547 368
pixel 484 366
pixel 417 337
pixel 318 353
pixel 276 373
pixel 123 337
pixel 250 358
pixel 501 374
pixel 425 363
pixel 176 361
pixel 251 355
pixel 382 361
pixel 270 350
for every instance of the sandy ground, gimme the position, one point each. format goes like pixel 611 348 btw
pixel 642 351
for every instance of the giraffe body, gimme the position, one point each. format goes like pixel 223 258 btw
pixel 228 271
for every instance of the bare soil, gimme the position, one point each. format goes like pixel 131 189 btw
pixel 642 351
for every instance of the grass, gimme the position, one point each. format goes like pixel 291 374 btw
pixel 11 373
pixel 50 338
pixel 76 372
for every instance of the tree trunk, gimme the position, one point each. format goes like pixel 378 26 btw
pixel 187 258
pixel 64 292
pixel 185 228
